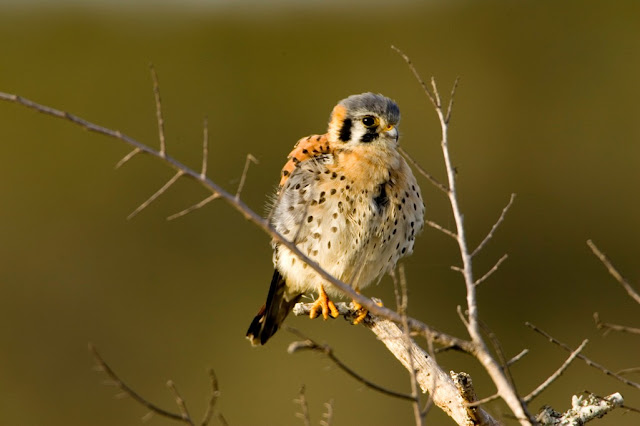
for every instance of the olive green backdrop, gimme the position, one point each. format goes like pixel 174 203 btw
pixel 547 108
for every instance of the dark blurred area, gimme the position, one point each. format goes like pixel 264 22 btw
pixel 547 108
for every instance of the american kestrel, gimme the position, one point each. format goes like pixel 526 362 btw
pixel 350 202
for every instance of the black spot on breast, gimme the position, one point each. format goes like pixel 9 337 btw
pixel 381 200
pixel 345 130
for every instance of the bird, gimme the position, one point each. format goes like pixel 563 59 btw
pixel 349 201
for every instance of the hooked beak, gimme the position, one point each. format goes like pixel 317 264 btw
pixel 391 132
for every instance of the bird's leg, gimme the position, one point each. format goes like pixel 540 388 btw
pixel 323 305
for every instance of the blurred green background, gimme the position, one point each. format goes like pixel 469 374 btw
pixel 547 108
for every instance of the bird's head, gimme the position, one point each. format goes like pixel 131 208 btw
pixel 367 118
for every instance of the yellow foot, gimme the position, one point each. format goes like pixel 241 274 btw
pixel 362 311
pixel 323 305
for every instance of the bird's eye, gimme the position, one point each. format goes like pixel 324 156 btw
pixel 370 121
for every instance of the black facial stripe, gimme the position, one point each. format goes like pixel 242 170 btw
pixel 369 136
pixel 345 131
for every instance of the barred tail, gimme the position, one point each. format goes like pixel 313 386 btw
pixel 273 313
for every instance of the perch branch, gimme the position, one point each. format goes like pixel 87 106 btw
pixel 249 214
pixel 430 376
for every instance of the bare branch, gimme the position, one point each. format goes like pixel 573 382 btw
pixel 127 157
pixel 156 95
pixel 494 227
pixel 440 228
pixel 614 272
pixel 215 393
pixel 302 401
pixel 416 75
pixel 327 416
pixel 104 367
pixel 310 344
pixel 451 98
pixel 402 302
pixel 250 158
pixel 629 370
pixel 250 215
pixel 492 270
pixel 430 376
pixel 422 171
pixel 158 193
pixel 505 388
pixel 588 361
pixel 205 147
pixel 607 327
pixel 537 391
pixel 194 207
pixel 180 403
pixel 222 420
pixel 583 409
pixel 517 357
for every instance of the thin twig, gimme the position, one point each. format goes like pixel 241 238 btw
pixel 310 344
pixel 442 229
pixel 327 416
pixel 250 158
pixel 158 193
pixel 629 370
pixel 222 420
pixel 537 391
pixel 588 361
pixel 614 272
pixel 402 302
pixel 517 357
pixel 194 207
pixel 492 270
pixel 422 171
pixel 302 401
pixel 485 400
pixel 128 157
pixel 494 227
pixel 416 75
pixel 215 393
pixel 104 367
pixel 156 95
pixel 452 96
pixel 205 148
pixel 182 405
pixel 607 327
